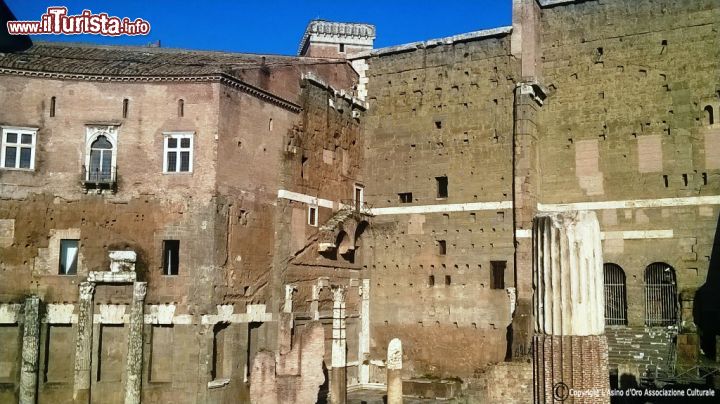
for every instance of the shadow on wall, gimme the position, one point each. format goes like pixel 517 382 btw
pixel 706 305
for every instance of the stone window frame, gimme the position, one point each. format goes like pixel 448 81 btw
pixel 166 149
pixel 4 144
pixel 92 133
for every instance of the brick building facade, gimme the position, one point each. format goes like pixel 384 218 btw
pixel 356 194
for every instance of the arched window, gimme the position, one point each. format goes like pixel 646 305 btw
pixel 709 118
pixel 660 295
pixel 100 160
pixel 615 296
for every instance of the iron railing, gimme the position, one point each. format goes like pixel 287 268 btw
pixel 99 178
pixel 661 306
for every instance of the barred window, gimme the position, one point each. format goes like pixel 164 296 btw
pixel 178 154
pixel 615 295
pixel 660 295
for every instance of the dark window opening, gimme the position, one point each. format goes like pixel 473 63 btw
pixel 68 257
pixel 431 280
pixel 303 167
pixel 405 197
pixel 52 107
pixel 704 176
pixel 447 280
pixel 171 257
pixel 709 116
pixel 442 187
pixel 685 179
pixel 126 103
pixel 497 274
pixel 312 216
pixel 442 247
pixel 665 179
pixel 342 47
pixel 438 124
pixel 181 107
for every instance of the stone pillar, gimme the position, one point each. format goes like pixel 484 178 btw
pixel 394 372
pixel 364 337
pixel 570 350
pixel 338 378
pixel 30 347
pixel 289 289
pixel 314 305
pixel 133 364
pixel 83 344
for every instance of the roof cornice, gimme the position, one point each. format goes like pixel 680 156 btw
pixel 224 79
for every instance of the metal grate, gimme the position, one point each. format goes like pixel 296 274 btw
pixel 615 295
pixel 660 295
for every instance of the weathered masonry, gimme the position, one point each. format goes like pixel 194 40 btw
pixel 210 227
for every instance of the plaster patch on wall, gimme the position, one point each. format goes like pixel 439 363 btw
pixel 328 156
pixel 706 211
pixel 650 154
pixel 641 217
pixel 587 167
pixel 415 224
pixel 609 217
pixel 48 259
pixel 712 149
pixel 297 226
pixel 7 232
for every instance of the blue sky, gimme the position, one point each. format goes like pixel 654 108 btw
pixel 276 26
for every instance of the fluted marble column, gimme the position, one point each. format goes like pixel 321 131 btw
pixel 30 348
pixel 133 365
pixel 83 344
pixel 338 378
pixel 570 349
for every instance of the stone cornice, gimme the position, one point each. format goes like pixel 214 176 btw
pixel 222 78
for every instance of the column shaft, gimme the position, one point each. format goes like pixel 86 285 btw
pixel 30 348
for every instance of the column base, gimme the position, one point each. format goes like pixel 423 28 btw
pixel 570 364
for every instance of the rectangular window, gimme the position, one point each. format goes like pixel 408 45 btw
pixel 442 247
pixel 359 196
pixel 18 148
pixel 405 197
pixel 312 216
pixel 497 276
pixel 178 156
pixel 68 257
pixel 442 187
pixel 171 257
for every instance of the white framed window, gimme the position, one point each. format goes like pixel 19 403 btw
pixel 68 256
pixel 100 153
pixel 359 195
pixel 18 148
pixel 313 216
pixel 178 152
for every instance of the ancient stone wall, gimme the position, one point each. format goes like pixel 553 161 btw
pixel 625 125
pixel 441 112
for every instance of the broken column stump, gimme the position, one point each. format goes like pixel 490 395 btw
pixel 133 366
pixel 30 349
pixel 570 349
pixel 83 344
pixel 394 372
pixel 338 377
